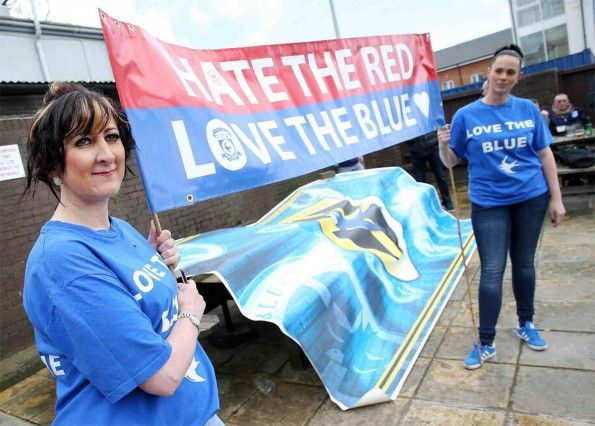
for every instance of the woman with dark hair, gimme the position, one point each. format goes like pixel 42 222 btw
pixel 512 179
pixel 111 323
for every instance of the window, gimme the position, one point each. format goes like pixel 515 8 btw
pixel 448 84
pixel 556 40
pixel 551 8
pixel 477 77
pixel 533 48
pixel 528 15
pixel 521 3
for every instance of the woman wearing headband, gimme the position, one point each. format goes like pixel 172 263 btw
pixel 111 323
pixel 512 180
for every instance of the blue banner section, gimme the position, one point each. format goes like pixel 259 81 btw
pixel 356 269
pixel 189 154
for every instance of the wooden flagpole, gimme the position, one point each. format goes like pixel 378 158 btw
pixel 465 269
pixel 158 229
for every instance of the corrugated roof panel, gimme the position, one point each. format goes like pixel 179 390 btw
pixel 67 58
pixel 19 61
pixel 98 60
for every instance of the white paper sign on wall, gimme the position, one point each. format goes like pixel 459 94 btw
pixel 11 164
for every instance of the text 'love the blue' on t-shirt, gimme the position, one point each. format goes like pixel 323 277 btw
pixel 501 144
pixel 102 304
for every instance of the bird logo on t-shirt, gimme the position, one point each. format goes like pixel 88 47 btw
pixel 191 374
pixel 507 167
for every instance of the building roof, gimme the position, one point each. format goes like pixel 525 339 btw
pixel 472 50
pixel 71 53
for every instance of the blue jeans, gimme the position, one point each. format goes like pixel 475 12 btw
pixel 419 173
pixel 499 231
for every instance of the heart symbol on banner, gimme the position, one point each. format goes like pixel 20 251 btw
pixel 422 100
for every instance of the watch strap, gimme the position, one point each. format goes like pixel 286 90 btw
pixel 193 318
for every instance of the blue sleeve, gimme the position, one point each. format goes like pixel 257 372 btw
pixel 458 135
pixel 105 335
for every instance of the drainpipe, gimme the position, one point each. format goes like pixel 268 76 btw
pixel 40 54
pixel 584 25
pixel 515 38
pixel 335 23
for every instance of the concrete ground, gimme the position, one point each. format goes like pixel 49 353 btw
pixel 518 386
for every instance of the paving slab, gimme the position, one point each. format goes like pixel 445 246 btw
pixel 459 341
pixel 566 350
pixel 422 412
pixel 543 420
pixel 449 312
pixel 433 341
pixel 447 381
pixel 233 392
pixel 289 404
pixel 28 398
pixel 18 366
pixel 507 318
pixel 573 222
pixel 256 358
pixel 566 316
pixel 567 237
pixel 556 392
pixel 307 376
pixel 565 289
pixel 583 271
pixel 414 378
pixel 460 293
pixel 46 417
pixel 582 253
pixel 387 413
pixel 8 420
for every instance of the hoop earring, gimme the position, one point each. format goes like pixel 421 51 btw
pixel 57 181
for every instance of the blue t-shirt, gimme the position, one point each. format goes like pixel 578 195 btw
pixel 102 304
pixel 501 144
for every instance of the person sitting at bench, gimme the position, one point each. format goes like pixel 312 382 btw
pixel 564 114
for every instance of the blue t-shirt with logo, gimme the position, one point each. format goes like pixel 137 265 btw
pixel 102 304
pixel 501 144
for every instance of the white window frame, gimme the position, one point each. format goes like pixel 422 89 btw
pixel 448 84
pixel 476 77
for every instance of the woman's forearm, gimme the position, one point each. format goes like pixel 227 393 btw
pixel 448 157
pixel 182 339
pixel 550 171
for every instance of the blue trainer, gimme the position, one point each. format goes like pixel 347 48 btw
pixel 529 334
pixel 472 361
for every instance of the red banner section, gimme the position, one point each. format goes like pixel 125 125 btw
pixel 261 78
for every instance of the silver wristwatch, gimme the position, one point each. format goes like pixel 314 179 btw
pixel 195 320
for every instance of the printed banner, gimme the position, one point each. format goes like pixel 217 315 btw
pixel 356 269
pixel 212 122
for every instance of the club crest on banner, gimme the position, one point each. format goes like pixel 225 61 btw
pixel 362 225
pixel 213 122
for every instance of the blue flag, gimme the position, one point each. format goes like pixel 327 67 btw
pixel 356 269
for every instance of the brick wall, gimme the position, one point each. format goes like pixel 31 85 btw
pixel 21 221
pixel 542 86
pixel 461 75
